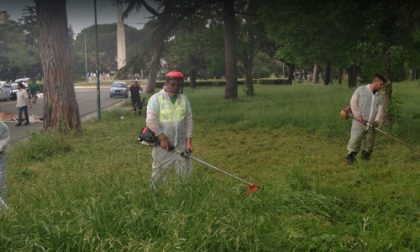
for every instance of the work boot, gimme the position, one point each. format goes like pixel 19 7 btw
pixel 366 155
pixel 351 157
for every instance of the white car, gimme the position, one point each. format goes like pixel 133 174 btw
pixel 5 91
pixel 118 88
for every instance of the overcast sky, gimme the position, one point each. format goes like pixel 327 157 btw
pixel 80 13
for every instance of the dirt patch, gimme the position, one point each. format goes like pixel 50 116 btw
pixel 11 117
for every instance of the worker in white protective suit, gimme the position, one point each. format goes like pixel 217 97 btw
pixel 367 105
pixel 169 116
pixel 4 140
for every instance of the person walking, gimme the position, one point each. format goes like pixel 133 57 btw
pixel 367 106
pixel 169 116
pixel 4 140
pixel 22 103
pixel 135 97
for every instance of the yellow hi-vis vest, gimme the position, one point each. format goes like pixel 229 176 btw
pixel 169 112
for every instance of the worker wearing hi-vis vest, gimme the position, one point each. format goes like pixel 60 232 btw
pixel 367 106
pixel 169 116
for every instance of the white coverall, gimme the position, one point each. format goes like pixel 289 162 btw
pixel 370 106
pixel 4 140
pixel 175 122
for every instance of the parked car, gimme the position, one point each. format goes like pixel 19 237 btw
pixel 5 91
pixel 14 90
pixel 118 88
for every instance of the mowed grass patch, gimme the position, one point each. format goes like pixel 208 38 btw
pixel 95 195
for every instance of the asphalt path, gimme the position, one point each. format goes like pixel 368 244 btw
pixel 86 99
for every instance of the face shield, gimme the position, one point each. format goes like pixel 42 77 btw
pixel 173 86
pixel 173 83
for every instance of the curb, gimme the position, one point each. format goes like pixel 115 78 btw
pixel 83 118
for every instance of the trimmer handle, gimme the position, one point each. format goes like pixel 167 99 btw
pixel 185 155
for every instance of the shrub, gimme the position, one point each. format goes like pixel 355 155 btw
pixel 39 147
pixel 270 81
pixel 204 83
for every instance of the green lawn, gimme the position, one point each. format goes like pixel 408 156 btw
pixel 91 193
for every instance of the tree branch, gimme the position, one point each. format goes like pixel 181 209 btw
pixel 150 8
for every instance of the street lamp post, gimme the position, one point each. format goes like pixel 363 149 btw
pixel 98 85
pixel 86 67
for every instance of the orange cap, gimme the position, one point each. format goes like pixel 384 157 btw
pixel 174 74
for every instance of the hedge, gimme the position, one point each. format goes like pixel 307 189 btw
pixel 217 83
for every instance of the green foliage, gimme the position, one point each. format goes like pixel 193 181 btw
pixel 377 36
pixel 271 81
pixel 107 47
pixel 394 108
pixel 203 83
pixel 288 139
pixel 196 47
pixel 17 58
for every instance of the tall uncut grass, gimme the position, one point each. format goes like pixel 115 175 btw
pixel 91 192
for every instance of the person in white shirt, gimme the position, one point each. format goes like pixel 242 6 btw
pixel 169 116
pixel 367 106
pixel 22 103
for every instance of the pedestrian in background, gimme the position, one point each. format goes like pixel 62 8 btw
pixel 4 140
pixel 135 97
pixel 22 103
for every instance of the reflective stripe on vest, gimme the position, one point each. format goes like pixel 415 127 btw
pixel 172 112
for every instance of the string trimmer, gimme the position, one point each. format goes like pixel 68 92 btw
pixel 345 113
pixel 147 137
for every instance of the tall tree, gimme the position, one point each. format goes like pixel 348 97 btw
pixel 231 90
pixel 18 55
pixel 252 40
pixel 168 14
pixel 188 50
pixel 61 112
pixel 107 52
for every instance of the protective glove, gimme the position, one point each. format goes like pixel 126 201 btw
pixel 359 118
pixel 189 146
pixel 164 143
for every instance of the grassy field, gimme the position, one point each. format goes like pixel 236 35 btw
pixel 91 193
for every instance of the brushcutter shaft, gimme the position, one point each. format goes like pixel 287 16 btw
pixel 386 133
pixel 215 168
pixel 395 138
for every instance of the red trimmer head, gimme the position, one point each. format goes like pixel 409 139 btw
pixel 251 189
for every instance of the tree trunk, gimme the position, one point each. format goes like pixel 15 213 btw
pixel 352 73
pixel 315 74
pixel 327 77
pixel 193 77
pixel 231 90
pixel 412 74
pixel 300 75
pixel 61 112
pixel 248 65
pixel 154 67
pixel 290 75
pixel 340 76
pixel 387 119
pixel 165 24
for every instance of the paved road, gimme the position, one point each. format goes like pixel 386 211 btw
pixel 86 99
